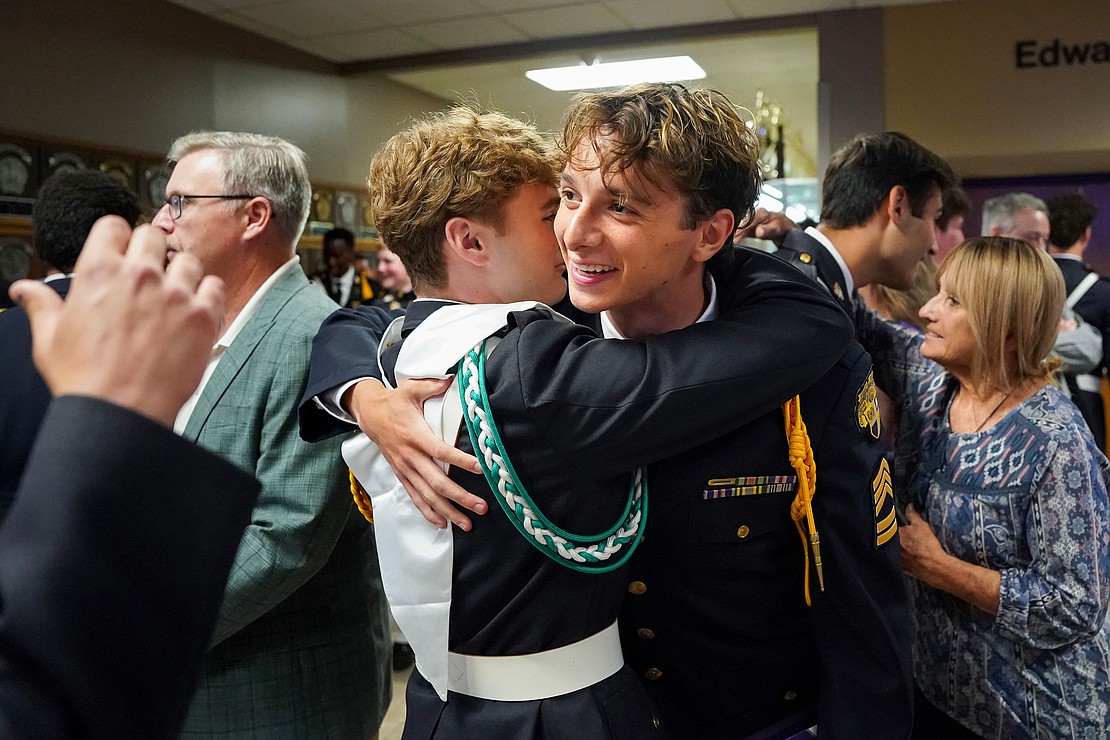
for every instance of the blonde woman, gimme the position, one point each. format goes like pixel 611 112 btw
pixel 1008 533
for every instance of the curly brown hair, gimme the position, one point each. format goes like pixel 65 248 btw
pixel 694 142
pixel 459 162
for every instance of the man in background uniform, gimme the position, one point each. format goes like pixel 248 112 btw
pixel 67 206
pixel 1070 218
pixel 341 279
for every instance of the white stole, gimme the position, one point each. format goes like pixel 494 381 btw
pixel 415 555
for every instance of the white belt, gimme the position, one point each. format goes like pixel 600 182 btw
pixel 1089 383
pixel 537 675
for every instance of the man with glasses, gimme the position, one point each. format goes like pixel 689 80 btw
pixel 301 643
pixel 1024 216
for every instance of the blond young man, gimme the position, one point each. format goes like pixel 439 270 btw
pixel 467 201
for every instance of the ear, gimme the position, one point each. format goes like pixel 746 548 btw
pixel 258 213
pixel 715 232
pixel 463 238
pixel 898 208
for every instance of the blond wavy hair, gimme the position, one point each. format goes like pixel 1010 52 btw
pixel 1013 294
pixel 459 162
pixel 694 142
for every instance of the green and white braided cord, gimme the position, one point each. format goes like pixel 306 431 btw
pixel 592 553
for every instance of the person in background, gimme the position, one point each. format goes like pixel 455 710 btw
pixel 67 206
pixel 301 646
pixel 342 279
pixel 1008 533
pixel 105 611
pixel 950 225
pixel 396 285
pixel 1070 218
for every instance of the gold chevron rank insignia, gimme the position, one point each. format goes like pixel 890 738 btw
pixel 886 522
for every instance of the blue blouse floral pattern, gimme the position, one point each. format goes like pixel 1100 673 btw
pixel 1027 498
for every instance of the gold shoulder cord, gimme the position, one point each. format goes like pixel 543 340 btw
pixel 362 498
pixel 366 289
pixel 801 458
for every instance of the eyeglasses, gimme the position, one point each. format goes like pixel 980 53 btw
pixel 177 202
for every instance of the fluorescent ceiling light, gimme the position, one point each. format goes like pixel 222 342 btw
pixel 616 74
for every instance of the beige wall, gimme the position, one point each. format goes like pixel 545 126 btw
pixel 951 82
pixel 135 74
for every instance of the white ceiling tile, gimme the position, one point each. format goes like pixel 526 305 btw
pixel 311 18
pixel 429 11
pixel 461 33
pixel 253 25
pixel 386 42
pixel 640 14
pixel 566 20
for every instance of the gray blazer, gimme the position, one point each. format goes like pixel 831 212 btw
pixel 301 645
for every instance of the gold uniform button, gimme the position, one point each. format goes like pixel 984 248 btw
pixel 637 588
pixel 803 257
pixel 653 674
pixel 743 531
pixel 644 633
pixel 790 695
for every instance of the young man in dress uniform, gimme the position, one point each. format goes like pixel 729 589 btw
pixel 880 199
pixel 477 237
pixel 716 620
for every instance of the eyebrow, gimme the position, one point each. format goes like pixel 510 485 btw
pixel 629 195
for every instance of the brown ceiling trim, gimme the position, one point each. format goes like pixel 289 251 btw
pixel 504 52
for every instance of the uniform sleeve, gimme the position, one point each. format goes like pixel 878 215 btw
pixel 1062 596
pixel 345 348
pixel 609 406
pixel 900 370
pixel 112 566
pixel 301 511
pixel 862 618
pixel 1080 348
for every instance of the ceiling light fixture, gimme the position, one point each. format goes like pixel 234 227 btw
pixel 616 74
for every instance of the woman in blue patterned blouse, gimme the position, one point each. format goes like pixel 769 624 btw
pixel 1008 533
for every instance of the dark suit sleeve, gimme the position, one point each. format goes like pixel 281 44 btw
pixel 345 348
pixel 113 562
pixel 861 620
pixel 611 405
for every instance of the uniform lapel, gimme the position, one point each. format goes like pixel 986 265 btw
pixel 241 349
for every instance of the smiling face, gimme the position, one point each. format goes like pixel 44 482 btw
pixel 524 259
pixel 391 272
pixel 949 340
pixel 626 249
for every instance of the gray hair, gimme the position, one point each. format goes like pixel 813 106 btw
pixel 1000 211
pixel 258 165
